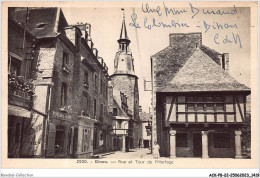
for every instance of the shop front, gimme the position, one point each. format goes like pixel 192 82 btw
pixel 85 137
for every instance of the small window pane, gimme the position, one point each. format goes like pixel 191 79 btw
pixel 191 107
pixel 181 99
pixel 209 99
pixel 209 106
pixel 200 107
pixel 200 99
pixel 190 99
pixel 219 99
pixel 229 99
pixel 220 107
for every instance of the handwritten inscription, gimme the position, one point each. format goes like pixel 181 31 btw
pixel 228 39
pixel 196 11
pixel 189 14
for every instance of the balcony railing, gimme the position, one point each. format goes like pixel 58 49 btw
pixel 20 91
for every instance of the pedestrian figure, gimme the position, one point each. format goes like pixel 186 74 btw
pixel 156 149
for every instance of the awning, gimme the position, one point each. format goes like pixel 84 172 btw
pixel 18 111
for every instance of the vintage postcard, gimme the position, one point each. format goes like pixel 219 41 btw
pixel 129 84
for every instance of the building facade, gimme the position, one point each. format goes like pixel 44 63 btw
pixel 21 48
pixel 122 115
pixel 200 108
pixel 146 119
pixel 70 86
pixel 125 80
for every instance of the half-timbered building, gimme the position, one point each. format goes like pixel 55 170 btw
pixel 200 107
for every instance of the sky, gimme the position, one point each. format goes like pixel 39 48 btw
pixel 226 33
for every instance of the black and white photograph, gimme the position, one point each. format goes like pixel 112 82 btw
pixel 103 83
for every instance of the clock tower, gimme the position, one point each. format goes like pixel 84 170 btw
pixel 125 80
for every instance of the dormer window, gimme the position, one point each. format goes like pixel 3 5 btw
pixel 41 25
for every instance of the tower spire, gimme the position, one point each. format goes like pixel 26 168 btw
pixel 123 40
pixel 123 34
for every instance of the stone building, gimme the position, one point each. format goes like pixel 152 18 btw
pixel 70 85
pixel 125 80
pixel 146 119
pixel 92 90
pixel 200 108
pixel 122 115
pixel 21 45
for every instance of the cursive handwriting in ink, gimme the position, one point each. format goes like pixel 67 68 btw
pixel 218 26
pixel 159 24
pixel 172 11
pixel 147 9
pixel 134 23
pixel 228 40
pixel 194 10
pixel 220 12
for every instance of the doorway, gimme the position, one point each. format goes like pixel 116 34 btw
pixel 146 143
pixel 197 145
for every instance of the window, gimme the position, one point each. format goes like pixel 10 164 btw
pixel 222 140
pixel 86 79
pixel 87 103
pixel 63 94
pixel 190 105
pixel 114 111
pixel 101 112
pixel 200 105
pixel 101 87
pixel 95 83
pixel 59 139
pixel 14 66
pixel 95 107
pixel 220 104
pixel 209 105
pixel 119 124
pixel 65 62
pixel 181 139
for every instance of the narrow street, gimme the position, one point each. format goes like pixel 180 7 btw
pixel 138 153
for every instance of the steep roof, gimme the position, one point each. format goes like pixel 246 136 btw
pixel 201 73
pixel 187 66
pixel 123 34
pixel 51 21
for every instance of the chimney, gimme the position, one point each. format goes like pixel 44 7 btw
pixel 95 52
pixel 88 29
pixel 225 61
pixel 90 44
pixel 182 39
pixel 86 36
